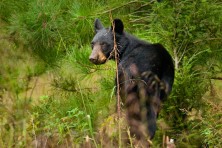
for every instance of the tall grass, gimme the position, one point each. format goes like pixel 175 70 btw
pixel 52 37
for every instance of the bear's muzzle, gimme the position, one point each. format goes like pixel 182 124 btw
pixel 97 56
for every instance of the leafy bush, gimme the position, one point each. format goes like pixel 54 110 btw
pixel 190 30
pixel 48 27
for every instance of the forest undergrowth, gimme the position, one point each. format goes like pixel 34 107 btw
pixel 52 96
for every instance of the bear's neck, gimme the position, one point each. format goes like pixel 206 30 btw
pixel 127 43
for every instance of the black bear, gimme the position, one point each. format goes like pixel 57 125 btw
pixel 145 72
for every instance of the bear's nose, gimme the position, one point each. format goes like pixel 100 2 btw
pixel 93 60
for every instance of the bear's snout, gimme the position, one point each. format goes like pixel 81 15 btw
pixel 97 56
pixel 97 61
pixel 93 60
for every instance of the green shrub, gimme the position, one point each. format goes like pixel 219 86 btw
pixel 59 32
pixel 190 30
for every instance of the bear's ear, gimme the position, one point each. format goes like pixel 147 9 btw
pixel 118 26
pixel 98 25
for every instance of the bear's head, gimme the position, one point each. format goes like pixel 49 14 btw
pixel 103 41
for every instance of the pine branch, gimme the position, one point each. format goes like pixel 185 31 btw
pixel 75 89
pixel 216 78
pixel 208 39
pixel 123 5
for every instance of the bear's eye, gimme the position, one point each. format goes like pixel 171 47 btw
pixel 103 44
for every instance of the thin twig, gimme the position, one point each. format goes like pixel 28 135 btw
pixel 146 4
pixel 208 39
pixel 76 89
pixel 183 53
pixel 36 80
pixel 33 130
pixel 216 78
pixel 91 67
pixel 117 77
pixel 123 5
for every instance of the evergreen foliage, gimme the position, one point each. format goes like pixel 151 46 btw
pixel 57 34
pixel 191 31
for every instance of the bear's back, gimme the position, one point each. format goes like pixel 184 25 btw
pixel 148 57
